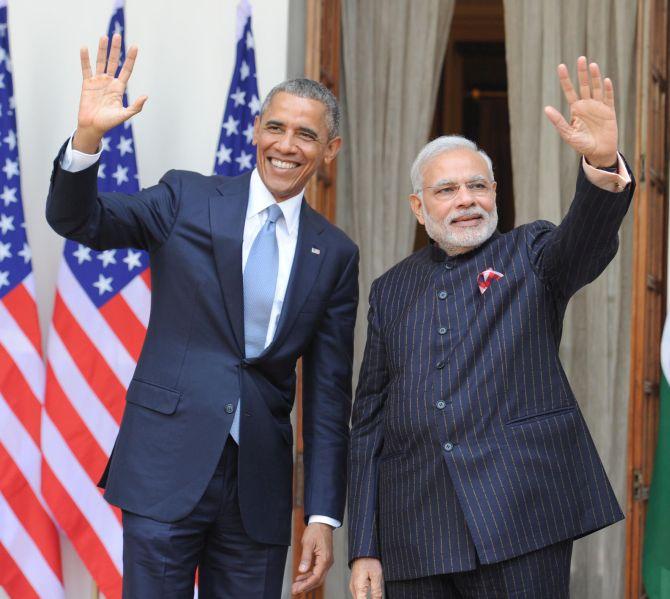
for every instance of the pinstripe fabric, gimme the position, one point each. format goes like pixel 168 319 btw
pixel 467 441
pixel 544 573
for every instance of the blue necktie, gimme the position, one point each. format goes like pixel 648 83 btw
pixel 260 281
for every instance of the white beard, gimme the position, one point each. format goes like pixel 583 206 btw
pixel 454 240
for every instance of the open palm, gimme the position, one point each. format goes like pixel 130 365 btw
pixel 101 103
pixel 592 130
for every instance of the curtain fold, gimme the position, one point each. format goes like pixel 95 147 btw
pixel 392 56
pixel 596 337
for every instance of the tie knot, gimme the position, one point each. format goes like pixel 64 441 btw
pixel 274 212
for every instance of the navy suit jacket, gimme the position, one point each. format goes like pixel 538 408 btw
pixel 467 443
pixel 192 369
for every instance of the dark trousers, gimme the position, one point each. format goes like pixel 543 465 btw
pixel 160 558
pixel 542 574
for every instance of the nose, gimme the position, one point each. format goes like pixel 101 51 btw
pixel 464 197
pixel 286 143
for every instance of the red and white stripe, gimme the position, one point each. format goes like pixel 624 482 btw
pixel 91 357
pixel 30 562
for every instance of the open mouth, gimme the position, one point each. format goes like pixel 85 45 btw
pixel 283 164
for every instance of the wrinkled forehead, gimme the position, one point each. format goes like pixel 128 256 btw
pixel 455 166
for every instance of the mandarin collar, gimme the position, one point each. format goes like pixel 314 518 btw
pixel 437 254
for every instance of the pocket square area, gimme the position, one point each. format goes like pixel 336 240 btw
pixel 486 277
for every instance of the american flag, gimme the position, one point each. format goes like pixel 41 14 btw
pixel 99 322
pixel 30 562
pixel 235 153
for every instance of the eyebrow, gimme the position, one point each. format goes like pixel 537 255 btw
pixel 442 182
pixel 300 129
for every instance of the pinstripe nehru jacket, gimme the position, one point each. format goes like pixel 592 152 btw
pixel 467 441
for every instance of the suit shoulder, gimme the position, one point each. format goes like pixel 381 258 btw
pixel 191 177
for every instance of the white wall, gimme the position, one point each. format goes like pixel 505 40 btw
pixel 184 65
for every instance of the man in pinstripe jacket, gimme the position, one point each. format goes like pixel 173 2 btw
pixel 471 466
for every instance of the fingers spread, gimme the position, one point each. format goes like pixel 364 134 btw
pixel 596 81
pixel 128 65
pixel 583 77
pixel 566 84
pixel 558 121
pixel 85 63
pixel 609 92
pixel 101 58
pixel 114 54
pixel 136 106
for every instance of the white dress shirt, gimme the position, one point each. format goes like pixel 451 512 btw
pixel 260 199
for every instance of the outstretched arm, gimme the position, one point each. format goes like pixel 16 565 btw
pixel 578 250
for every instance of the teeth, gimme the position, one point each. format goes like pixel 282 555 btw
pixel 282 164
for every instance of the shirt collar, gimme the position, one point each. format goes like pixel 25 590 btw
pixel 260 198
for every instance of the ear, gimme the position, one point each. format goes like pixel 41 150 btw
pixel 415 205
pixel 332 148
pixel 257 130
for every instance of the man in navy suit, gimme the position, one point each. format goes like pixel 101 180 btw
pixel 246 278
pixel 471 466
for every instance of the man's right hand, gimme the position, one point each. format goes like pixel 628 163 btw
pixel 101 104
pixel 366 574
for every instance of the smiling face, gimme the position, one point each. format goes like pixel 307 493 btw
pixel 291 139
pixel 458 201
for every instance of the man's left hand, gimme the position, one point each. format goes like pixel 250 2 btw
pixel 316 559
pixel 592 130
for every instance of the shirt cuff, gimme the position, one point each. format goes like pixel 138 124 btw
pixel 74 161
pixel 325 520
pixel 613 182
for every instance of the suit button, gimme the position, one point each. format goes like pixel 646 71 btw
pixel 448 265
pixel 440 365
pixel 442 295
pixel 442 330
pixel 448 446
pixel 229 408
pixel 440 405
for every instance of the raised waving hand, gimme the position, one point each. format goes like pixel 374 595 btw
pixel 592 130
pixel 101 103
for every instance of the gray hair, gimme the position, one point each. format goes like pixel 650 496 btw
pixel 312 90
pixel 442 145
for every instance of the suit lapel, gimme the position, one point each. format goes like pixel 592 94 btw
pixel 227 212
pixel 310 253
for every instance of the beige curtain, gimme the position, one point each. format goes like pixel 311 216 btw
pixel 596 340
pixel 392 54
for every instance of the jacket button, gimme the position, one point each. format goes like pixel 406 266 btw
pixel 442 330
pixel 440 405
pixel 448 265
pixel 442 295
pixel 229 408
pixel 440 365
pixel 448 446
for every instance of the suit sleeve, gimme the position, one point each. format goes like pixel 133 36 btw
pixel 327 365
pixel 568 256
pixel 367 438
pixel 103 221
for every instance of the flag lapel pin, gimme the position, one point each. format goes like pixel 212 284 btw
pixel 316 251
pixel 486 277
